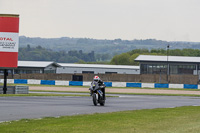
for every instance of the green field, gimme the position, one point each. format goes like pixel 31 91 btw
pixel 36 94
pixel 158 94
pixel 170 120
pixel 106 87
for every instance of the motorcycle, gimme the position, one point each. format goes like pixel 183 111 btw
pixel 98 93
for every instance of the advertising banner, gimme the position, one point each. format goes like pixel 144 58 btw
pixel 9 40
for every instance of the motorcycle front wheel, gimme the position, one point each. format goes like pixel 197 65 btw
pixel 94 99
pixel 102 103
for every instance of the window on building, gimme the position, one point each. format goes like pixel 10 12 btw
pixel 153 69
pixel 182 69
pixel 149 69
pixel 144 69
pixel 88 72
pixel 110 72
pixel 49 71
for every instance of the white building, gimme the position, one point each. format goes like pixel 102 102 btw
pixel 28 67
pixel 36 67
pixel 97 69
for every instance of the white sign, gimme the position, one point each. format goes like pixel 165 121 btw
pixel 9 42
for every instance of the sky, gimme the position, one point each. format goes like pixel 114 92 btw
pixel 169 20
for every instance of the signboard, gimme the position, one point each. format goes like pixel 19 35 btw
pixel 9 40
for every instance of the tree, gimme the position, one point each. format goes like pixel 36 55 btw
pixel 41 54
pixel 81 62
pixel 122 59
pixel 132 59
pixel 28 47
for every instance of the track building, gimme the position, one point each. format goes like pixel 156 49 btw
pixel 171 65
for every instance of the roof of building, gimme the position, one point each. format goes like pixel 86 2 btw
pixel 42 64
pixel 99 66
pixel 155 58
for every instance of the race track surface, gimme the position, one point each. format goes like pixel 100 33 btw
pixel 15 108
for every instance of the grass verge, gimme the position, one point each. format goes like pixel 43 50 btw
pixel 158 94
pixel 36 94
pixel 106 87
pixel 43 85
pixel 167 120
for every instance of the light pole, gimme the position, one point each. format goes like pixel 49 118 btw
pixel 5 81
pixel 167 64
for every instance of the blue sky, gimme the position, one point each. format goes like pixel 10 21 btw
pixel 171 20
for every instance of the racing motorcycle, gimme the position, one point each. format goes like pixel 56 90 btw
pixel 98 93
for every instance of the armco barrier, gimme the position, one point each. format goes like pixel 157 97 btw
pixel 21 89
pixel 118 84
pixel 57 82
pixel 147 85
pixel 75 83
pixel 33 81
pixel 10 81
pixel 176 86
pixel 20 81
pixel 15 90
pixel 134 85
pixel 10 90
pixel 47 82
pixel 108 84
pixel 189 86
pixel 86 83
pixel 161 85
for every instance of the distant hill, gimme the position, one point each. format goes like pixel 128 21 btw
pixel 112 47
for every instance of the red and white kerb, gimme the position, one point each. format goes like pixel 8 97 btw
pixel 9 40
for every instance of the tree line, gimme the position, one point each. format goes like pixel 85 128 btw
pixel 73 56
pixel 129 57
pixel 101 46
pixel 42 54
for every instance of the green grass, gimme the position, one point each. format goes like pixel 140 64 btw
pixel 170 120
pixel 154 88
pixel 59 91
pixel 106 87
pixel 36 94
pixel 41 94
pixel 43 85
pixel 155 94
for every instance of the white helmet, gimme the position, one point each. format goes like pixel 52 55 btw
pixel 96 78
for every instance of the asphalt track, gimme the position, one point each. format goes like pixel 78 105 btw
pixel 15 108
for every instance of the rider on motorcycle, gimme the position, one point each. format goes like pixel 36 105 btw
pixel 97 79
pixel 100 82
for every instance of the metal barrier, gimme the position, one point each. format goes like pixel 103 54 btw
pixel 10 90
pixel 21 89
pixel 15 90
